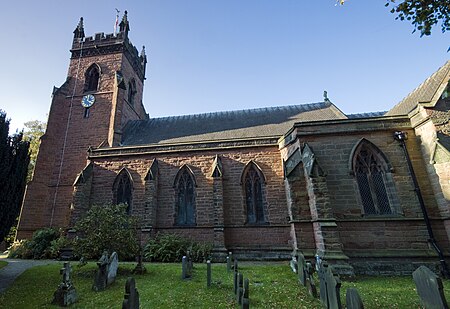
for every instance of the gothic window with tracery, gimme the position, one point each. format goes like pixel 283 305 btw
pixel 370 169
pixel 123 190
pixel 253 189
pixel 92 77
pixel 185 198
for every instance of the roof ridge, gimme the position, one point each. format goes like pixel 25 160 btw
pixel 230 112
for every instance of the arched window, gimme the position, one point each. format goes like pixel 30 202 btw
pixel 131 91
pixel 253 186
pixel 373 177
pixel 123 189
pixel 91 78
pixel 185 197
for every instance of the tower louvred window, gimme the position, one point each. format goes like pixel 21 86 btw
pixel 92 78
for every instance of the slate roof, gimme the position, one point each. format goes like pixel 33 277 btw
pixel 231 125
pixel 422 94
pixel 366 115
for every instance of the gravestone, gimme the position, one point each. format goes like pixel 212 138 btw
pixel 430 289
pixel 235 282
pixel 66 293
pixel 107 271
pixel 245 295
pixel 330 286
pixel 353 300
pixel 208 273
pixel 101 276
pixel 140 268
pixel 113 265
pixel 301 265
pixel 310 284
pixel 184 268
pixel 240 289
pixel 131 297
pixel 228 263
pixel 293 264
pixel 235 265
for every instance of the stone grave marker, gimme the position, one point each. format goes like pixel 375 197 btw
pixel 330 286
pixel 101 276
pixel 245 295
pixel 208 273
pixel 353 300
pixel 235 265
pixel 240 289
pixel 66 293
pixel 140 268
pixel 293 263
pixel 113 265
pixel 235 282
pixel 430 289
pixel 228 263
pixel 310 284
pixel 301 265
pixel 184 268
pixel 131 297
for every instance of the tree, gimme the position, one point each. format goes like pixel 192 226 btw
pixel 106 227
pixel 14 160
pixel 33 131
pixel 423 14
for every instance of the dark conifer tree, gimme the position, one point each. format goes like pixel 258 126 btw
pixel 14 159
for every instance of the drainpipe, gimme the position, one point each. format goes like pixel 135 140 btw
pixel 401 137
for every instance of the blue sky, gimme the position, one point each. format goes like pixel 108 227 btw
pixel 215 55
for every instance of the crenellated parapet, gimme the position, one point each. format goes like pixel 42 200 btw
pixel 103 44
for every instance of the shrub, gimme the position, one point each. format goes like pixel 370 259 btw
pixel 171 248
pixel 41 246
pixel 106 227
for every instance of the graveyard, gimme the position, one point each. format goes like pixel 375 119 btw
pixel 169 285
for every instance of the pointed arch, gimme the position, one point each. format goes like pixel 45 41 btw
pixel 131 92
pixel 253 186
pixel 92 77
pixel 184 185
pixel 123 189
pixel 372 173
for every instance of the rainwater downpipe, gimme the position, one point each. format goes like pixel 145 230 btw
pixel 401 137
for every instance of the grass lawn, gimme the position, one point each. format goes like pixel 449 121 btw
pixel 3 264
pixel 271 286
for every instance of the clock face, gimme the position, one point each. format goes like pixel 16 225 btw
pixel 88 100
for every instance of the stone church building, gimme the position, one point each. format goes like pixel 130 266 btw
pixel 260 182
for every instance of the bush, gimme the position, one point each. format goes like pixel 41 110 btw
pixel 106 227
pixel 171 248
pixel 43 245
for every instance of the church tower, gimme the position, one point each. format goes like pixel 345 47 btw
pixel 102 92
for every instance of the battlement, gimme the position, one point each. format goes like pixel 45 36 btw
pixel 101 44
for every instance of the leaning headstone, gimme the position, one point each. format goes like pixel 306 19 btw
pixel 66 293
pixel 245 295
pixel 101 276
pixel 240 288
pixel 208 273
pixel 330 286
pixel 430 289
pixel 310 283
pixel 113 265
pixel 353 300
pixel 301 269
pixel 131 297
